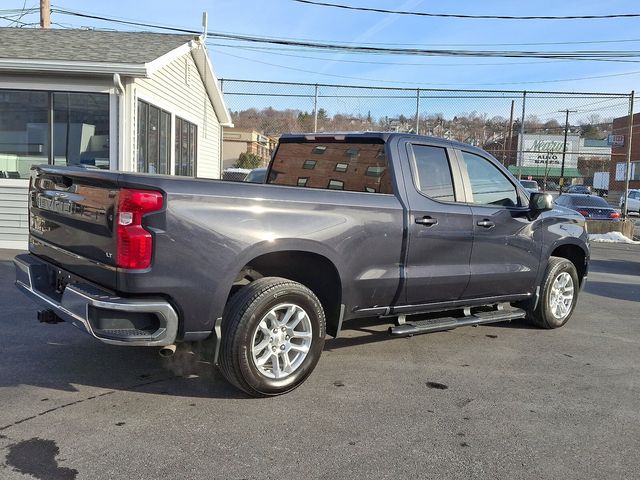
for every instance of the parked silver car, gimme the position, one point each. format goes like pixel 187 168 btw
pixel 257 175
pixel 530 185
pixel 633 201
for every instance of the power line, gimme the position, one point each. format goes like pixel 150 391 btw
pixel 18 11
pixel 356 51
pixel 24 12
pixel 124 22
pixel 185 30
pixel 474 17
pixel 274 51
pixel 588 55
pixel 576 42
pixel 579 55
pixel 14 20
pixel 430 84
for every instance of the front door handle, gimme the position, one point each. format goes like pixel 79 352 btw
pixel 427 221
pixel 486 223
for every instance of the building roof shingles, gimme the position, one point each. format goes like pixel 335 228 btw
pixel 87 45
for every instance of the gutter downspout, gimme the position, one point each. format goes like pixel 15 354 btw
pixel 120 92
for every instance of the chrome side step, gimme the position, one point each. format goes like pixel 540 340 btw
pixel 449 323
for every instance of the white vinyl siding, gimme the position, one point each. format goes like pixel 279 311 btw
pixel 14 216
pixel 167 89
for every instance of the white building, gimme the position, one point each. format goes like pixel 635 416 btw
pixel 132 101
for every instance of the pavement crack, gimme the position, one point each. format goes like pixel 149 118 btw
pixel 76 402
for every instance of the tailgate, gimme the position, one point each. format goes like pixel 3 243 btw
pixel 71 220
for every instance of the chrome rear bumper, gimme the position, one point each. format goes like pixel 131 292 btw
pixel 82 303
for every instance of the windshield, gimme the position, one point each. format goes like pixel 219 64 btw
pixel 257 175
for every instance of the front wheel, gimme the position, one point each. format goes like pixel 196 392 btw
pixel 558 296
pixel 272 336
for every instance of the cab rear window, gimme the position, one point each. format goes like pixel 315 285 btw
pixel 347 166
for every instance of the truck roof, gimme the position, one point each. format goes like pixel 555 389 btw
pixel 383 136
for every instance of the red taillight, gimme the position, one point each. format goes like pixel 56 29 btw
pixel 584 213
pixel 614 215
pixel 135 244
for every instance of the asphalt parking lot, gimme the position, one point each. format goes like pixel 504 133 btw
pixel 500 401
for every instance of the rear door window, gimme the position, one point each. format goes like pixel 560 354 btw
pixel 432 172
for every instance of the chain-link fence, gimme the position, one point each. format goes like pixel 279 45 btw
pixel 574 140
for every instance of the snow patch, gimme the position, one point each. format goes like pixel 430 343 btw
pixel 611 237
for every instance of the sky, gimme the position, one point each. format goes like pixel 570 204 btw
pixel 288 19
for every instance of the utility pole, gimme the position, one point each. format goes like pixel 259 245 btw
pixel 627 170
pixel 564 146
pixel 418 111
pixel 520 158
pixel 45 13
pixel 509 135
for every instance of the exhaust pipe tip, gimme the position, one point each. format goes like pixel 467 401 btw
pixel 167 351
pixel 48 316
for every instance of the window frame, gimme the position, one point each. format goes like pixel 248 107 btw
pixel 161 113
pixel 192 146
pixel 313 164
pixel 319 150
pixel 331 180
pixel 369 172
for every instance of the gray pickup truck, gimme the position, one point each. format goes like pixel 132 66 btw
pixel 425 233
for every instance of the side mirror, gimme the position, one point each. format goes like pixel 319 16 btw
pixel 540 202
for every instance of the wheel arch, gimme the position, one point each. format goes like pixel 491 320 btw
pixel 313 267
pixel 576 254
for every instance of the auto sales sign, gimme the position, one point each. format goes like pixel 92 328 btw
pixel 546 150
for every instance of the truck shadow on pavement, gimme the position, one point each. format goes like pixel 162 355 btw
pixel 60 357
pixel 360 331
pixel 82 362
pixel 618 291
pixel 618 267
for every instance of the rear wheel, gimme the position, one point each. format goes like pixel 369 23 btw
pixel 558 295
pixel 272 336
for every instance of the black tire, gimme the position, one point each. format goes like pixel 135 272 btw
pixel 241 318
pixel 543 316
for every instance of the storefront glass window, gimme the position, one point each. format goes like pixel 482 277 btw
pixel 78 135
pixel 24 132
pixel 81 129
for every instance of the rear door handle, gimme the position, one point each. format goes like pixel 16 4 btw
pixel 486 223
pixel 427 221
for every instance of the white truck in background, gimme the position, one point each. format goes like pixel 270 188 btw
pixel 601 183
